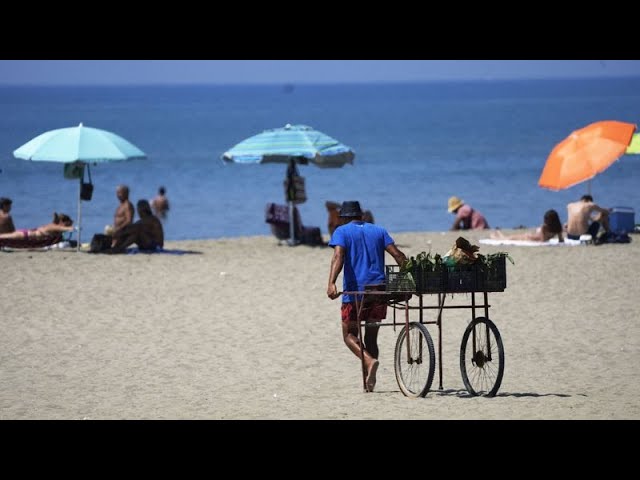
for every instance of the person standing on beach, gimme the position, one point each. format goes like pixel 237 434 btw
pixel 6 222
pixel 160 204
pixel 466 217
pixel 124 212
pixel 359 248
pixel 580 220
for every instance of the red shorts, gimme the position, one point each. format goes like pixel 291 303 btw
pixel 377 311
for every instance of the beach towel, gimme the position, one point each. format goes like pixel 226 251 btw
pixel 530 243
pixel 30 243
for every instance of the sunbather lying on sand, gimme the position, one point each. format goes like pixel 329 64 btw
pixel 549 229
pixel 61 223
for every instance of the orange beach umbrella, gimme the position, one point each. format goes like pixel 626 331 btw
pixel 585 153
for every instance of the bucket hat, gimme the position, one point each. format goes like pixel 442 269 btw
pixel 350 209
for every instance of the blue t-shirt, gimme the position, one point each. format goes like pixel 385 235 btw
pixel 364 245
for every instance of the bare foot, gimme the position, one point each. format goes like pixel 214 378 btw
pixel 371 376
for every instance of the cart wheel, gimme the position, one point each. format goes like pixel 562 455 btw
pixel 482 357
pixel 414 366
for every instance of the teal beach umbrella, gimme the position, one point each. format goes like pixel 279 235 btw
pixel 78 145
pixel 298 142
pixel 292 144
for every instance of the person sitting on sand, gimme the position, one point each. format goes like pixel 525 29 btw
pixel 61 223
pixel 467 218
pixel 124 211
pixel 147 232
pixel 580 220
pixel 550 227
pixel 335 220
pixel 6 222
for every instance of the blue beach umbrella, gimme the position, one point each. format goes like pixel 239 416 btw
pixel 78 145
pixel 298 142
pixel 292 144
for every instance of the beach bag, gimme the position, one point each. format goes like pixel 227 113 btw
pixel 100 243
pixel 295 190
pixel 612 237
pixel 311 236
pixel 462 253
pixel 86 189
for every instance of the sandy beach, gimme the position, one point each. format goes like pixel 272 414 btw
pixel 242 329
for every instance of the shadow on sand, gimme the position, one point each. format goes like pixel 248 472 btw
pixel 164 251
pixel 463 393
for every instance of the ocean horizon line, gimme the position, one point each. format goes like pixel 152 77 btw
pixel 303 83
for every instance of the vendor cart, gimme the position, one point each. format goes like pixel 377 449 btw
pixel 481 349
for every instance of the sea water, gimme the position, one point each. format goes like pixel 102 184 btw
pixel 416 145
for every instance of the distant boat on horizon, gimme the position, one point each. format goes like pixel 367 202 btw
pixel 288 88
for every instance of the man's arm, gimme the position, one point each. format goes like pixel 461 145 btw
pixel 456 222
pixel 600 210
pixel 396 253
pixel 337 262
pixel 129 212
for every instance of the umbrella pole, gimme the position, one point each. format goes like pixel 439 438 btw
pixel 292 238
pixel 79 213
